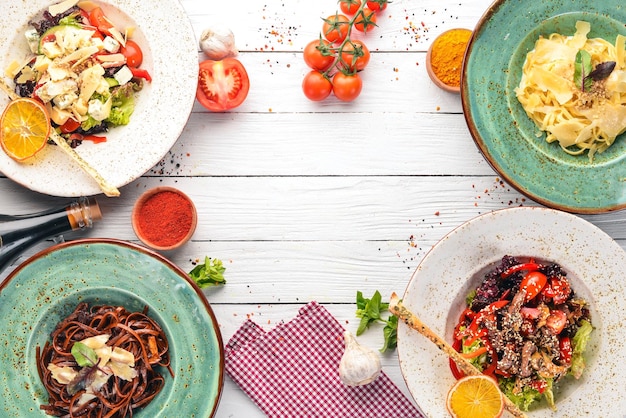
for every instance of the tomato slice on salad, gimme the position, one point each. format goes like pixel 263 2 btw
pixel 222 85
pixel 133 53
pixel 100 21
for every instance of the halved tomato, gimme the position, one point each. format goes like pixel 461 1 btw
pixel 222 85
pixel 100 21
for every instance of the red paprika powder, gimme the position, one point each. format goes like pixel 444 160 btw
pixel 165 218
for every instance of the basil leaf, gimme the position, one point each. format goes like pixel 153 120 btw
pixel 371 311
pixel 363 325
pixel 360 300
pixel 84 356
pixel 602 71
pixel 390 332
pixel 373 307
pixel 582 68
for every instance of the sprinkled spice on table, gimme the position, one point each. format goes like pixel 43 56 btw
pixel 165 218
pixel 447 55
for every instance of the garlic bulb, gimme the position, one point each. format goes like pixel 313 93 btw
pixel 218 42
pixel 359 365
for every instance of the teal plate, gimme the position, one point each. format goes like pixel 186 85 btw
pixel 505 134
pixel 48 286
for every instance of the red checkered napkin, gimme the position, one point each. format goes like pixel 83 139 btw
pixel 292 371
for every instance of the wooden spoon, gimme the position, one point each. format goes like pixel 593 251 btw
pixel 104 185
pixel 398 309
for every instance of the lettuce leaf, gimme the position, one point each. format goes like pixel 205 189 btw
pixel 549 394
pixel 89 124
pixel 579 344
pixel 123 105
pixel 524 399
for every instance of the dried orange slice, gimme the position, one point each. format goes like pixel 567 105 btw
pixel 24 128
pixel 475 397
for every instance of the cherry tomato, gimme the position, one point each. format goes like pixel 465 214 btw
pixel 561 289
pixel 355 55
pixel 347 87
pixel 556 321
pixel 335 28
pixel 539 385
pixel 565 351
pixel 316 86
pixel 69 126
pixel 317 55
pixel 377 5
pixel 366 20
pixel 133 54
pixel 349 7
pixel 100 21
pixel 222 85
pixel 532 283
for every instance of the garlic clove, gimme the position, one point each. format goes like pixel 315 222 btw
pixel 359 365
pixel 218 42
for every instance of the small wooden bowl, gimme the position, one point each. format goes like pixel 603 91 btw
pixel 140 219
pixel 429 68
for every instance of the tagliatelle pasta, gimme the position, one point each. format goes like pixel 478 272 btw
pixel 125 351
pixel 579 119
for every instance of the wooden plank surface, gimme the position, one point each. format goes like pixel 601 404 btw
pixel 313 201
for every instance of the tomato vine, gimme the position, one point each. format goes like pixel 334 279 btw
pixel 336 56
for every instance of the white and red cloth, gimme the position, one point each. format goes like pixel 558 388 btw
pixel 292 371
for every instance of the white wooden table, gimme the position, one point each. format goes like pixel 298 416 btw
pixel 313 201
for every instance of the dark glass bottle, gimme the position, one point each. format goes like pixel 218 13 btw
pixel 20 232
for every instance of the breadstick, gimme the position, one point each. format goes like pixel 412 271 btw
pixel 398 309
pixel 108 189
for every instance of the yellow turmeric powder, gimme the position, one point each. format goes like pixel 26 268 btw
pixel 447 54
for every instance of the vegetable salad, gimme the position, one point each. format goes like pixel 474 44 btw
pixel 525 327
pixel 84 69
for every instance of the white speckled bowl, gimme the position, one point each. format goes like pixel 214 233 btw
pixel 162 107
pixel 595 265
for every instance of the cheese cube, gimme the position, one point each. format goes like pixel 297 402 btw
pixel 65 100
pixel 123 76
pixel 111 45
pixel 32 37
pixel 98 110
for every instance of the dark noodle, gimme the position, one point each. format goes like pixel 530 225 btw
pixel 132 331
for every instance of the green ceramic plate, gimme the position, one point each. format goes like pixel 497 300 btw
pixel 47 287
pixel 502 130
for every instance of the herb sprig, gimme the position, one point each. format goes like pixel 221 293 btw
pixel 369 310
pixel 585 74
pixel 86 358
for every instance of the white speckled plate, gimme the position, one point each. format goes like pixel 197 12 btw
pixel 595 265
pixel 162 107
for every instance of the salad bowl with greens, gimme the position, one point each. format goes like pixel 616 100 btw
pixel 465 271
pixel 113 86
